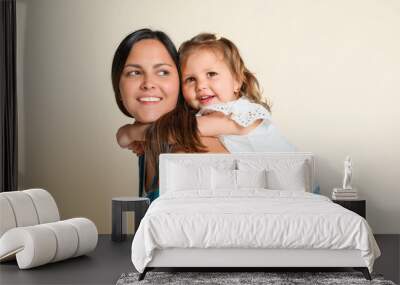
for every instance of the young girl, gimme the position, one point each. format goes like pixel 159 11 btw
pixel 226 95
pixel 216 82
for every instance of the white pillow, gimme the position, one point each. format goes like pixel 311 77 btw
pixel 251 178
pixel 188 177
pixel 293 178
pixel 228 179
pixel 223 179
pixel 282 174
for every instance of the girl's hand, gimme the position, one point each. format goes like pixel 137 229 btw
pixel 122 136
pixel 137 147
pixel 129 133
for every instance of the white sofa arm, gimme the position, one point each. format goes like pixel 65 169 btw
pixel 33 246
pixel 26 208
pixel 87 235
pixel 45 205
pixel 51 242
pixel 7 217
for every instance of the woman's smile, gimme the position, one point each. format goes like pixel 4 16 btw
pixel 149 100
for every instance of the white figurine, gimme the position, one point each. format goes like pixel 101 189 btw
pixel 347 173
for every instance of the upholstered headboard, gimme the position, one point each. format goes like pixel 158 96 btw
pixel 283 168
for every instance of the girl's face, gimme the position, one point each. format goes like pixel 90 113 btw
pixel 206 79
pixel 149 82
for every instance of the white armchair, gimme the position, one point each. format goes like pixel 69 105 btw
pixel 31 230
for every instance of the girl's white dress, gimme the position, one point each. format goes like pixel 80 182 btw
pixel 264 138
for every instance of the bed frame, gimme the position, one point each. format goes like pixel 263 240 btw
pixel 246 259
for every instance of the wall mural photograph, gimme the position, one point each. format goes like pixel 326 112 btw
pixel 179 142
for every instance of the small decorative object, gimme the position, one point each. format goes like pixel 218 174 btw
pixel 347 192
pixel 348 168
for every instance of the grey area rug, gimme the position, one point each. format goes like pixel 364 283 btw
pixel 269 278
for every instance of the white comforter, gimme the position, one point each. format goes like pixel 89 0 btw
pixel 252 218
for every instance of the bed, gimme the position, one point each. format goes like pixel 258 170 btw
pixel 248 210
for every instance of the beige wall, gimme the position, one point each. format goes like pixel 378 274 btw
pixel 331 69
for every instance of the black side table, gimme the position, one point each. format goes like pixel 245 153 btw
pixel 138 205
pixel 357 206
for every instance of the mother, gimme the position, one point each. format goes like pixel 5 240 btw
pixel 146 81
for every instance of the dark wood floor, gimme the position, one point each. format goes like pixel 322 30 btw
pixel 111 259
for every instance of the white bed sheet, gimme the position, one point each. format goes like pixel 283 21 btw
pixel 251 218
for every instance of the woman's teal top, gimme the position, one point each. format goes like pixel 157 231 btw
pixel 153 192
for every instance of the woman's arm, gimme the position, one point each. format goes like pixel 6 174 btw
pixel 216 123
pixel 129 133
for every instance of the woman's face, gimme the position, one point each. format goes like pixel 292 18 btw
pixel 149 83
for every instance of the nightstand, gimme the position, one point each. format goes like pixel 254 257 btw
pixel 358 206
pixel 138 205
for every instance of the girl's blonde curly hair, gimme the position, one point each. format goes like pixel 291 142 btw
pixel 250 86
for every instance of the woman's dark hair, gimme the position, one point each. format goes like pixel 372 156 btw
pixel 175 131
pixel 122 53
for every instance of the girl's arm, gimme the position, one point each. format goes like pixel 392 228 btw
pixel 216 123
pixel 129 133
